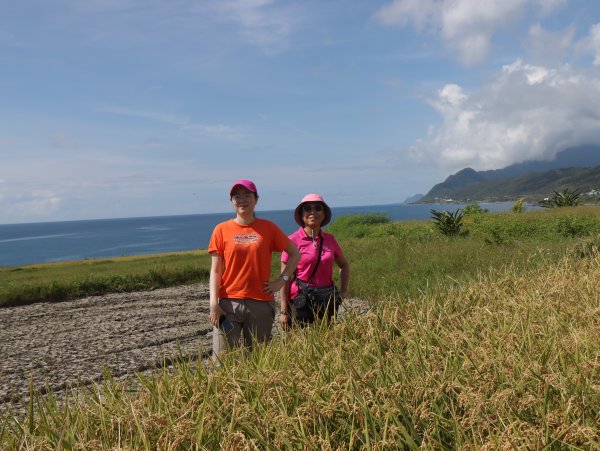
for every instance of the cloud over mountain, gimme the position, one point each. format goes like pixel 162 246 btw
pixel 527 112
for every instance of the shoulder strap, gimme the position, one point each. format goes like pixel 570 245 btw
pixel 304 286
pixel 318 258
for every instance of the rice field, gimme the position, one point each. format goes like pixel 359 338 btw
pixel 506 356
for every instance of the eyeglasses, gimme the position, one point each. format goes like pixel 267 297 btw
pixel 240 196
pixel 307 208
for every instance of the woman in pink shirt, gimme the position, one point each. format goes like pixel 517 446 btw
pixel 319 251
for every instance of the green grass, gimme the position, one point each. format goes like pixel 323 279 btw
pixel 386 257
pixel 484 341
pixel 73 279
pixel 404 258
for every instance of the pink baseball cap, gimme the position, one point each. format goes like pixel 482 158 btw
pixel 312 198
pixel 248 184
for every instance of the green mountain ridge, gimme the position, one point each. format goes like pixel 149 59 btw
pixel 532 186
pixel 531 179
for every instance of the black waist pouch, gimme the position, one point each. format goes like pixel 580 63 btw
pixel 316 296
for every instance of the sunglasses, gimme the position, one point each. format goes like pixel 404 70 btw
pixel 240 196
pixel 307 208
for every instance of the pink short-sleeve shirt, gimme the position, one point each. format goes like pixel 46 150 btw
pixel 309 253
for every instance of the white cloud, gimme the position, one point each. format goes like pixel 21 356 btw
pixel 183 123
pixel 527 112
pixel 593 43
pixel 218 131
pixel 464 25
pixel 155 115
pixel 264 23
pixel 452 94
pixel 550 46
pixel 550 5
pixel 37 204
pixel 421 13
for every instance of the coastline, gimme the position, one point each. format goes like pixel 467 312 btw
pixel 35 243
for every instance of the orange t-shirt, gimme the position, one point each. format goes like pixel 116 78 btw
pixel 246 252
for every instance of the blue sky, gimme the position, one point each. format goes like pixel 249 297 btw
pixel 120 108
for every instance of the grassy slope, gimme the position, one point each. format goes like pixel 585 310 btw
pixel 404 258
pixel 59 281
pixel 400 257
pixel 508 358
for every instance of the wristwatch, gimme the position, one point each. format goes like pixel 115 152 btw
pixel 285 278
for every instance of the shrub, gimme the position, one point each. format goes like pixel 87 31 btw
pixel 587 249
pixel 449 224
pixel 495 237
pixel 576 226
pixel 474 209
pixel 406 231
pixel 519 206
pixel 357 226
pixel 367 219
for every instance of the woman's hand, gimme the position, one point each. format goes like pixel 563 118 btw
pixel 341 261
pixel 215 313
pixel 284 320
pixel 272 287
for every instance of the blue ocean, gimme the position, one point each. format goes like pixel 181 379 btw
pixel 23 244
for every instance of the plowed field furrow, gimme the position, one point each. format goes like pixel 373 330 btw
pixel 56 345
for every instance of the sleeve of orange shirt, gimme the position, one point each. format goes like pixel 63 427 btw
pixel 216 241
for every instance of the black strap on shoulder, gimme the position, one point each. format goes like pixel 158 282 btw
pixel 318 258
pixel 299 282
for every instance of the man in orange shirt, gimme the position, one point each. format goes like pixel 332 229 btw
pixel 240 286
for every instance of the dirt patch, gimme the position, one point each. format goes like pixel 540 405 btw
pixel 56 345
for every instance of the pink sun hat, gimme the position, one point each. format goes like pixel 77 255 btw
pixel 312 198
pixel 248 184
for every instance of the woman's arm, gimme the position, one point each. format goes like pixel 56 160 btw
pixel 341 261
pixel 290 267
pixel 293 259
pixel 285 312
pixel 216 271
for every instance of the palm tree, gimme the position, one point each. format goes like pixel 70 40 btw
pixel 564 198
pixel 449 224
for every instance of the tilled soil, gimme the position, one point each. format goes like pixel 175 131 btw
pixel 57 345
